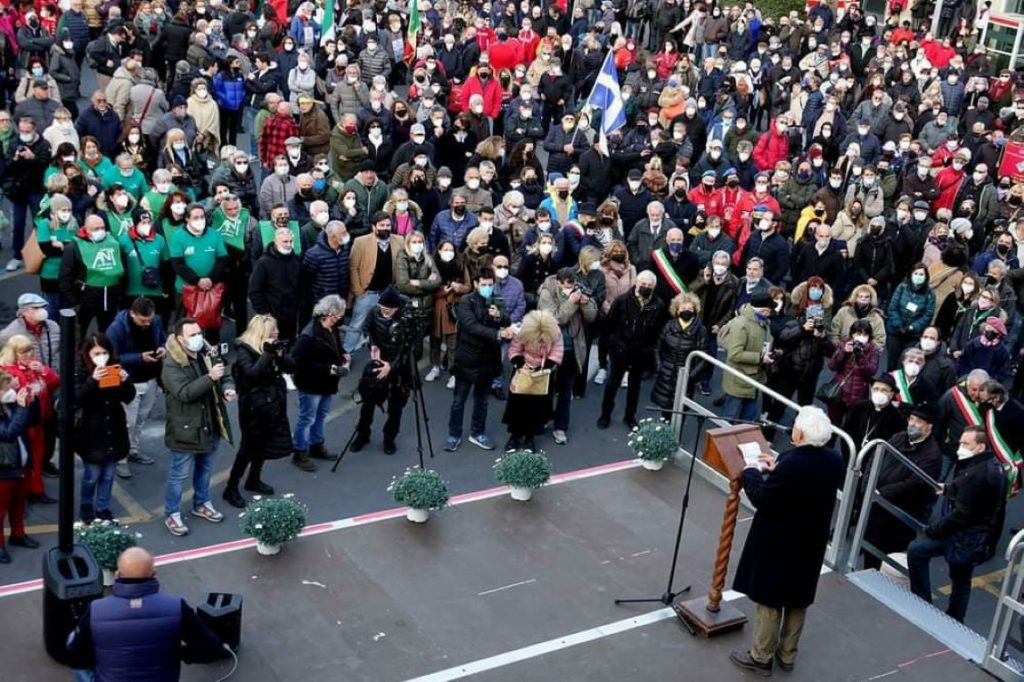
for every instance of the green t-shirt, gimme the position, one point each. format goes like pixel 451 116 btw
pixel 170 229
pixel 155 200
pixel 119 223
pixel 99 172
pixel 233 231
pixel 267 230
pixel 200 253
pixel 102 260
pixel 45 232
pixel 135 184
pixel 141 254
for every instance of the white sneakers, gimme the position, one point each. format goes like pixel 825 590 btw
pixel 600 377
pixel 289 384
pixel 561 438
pixel 175 525
pixel 451 383
pixel 433 374
pixel 15 264
pixel 625 380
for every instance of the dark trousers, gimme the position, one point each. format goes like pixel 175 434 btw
pixel 23 205
pixel 229 123
pixel 619 365
pixel 396 399
pixel 786 383
pixel 86 314
pixel 565 379
pixel 243 459
pixel 478 424
pixel 72 106
pixel 919 556
pixel 236 279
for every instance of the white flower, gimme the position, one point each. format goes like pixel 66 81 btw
pixel 289 496
pixel 257 497
pixel 258 526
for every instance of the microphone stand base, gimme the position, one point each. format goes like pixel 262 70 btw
pixel 695 616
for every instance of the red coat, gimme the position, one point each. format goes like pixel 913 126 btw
pixel 710 200
pixel 505 55
pixel 730 200
pixel 948 179
pixel 771 148
pixel 528 43
pixel 740 224
pixel 484 37
pixel 665 62
pixel 491 92
pixel 938 54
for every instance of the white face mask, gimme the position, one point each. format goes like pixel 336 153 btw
pixel 177 209
pixel 962 452
pixel 63 216
pixel 134 138
pixel 416 249
pixel 101 360
pixel 501 273
pixel 860 338
pixel 350 203
pixel 196 226
pixel 719 269
pixel 144 230
pixel 545 249
pixel 473 184
pixel 194 343
pixel 911 369
pixel 595 266
pixel 282 171
pixel 98 235
pixel 879 399
pixel 121 200
pixel 928 345
pixel 447 256
pixel 9 396
pixel 322 218
pixel 402 206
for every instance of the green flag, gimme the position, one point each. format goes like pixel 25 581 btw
pixel 414 29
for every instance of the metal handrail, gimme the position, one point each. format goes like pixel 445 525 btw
pixel 882 449
pixel 1007 605
pixel 833 555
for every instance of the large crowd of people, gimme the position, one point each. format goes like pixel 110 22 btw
pixel 816 198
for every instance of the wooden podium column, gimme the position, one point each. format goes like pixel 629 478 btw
pixel 708 615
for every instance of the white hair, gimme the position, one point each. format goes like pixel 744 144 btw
pixel 814 424
pixel 329 305
pixel 647 275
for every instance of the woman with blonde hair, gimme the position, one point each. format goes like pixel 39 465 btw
pixel 261 360
pixel 20 358
pixel 681 335
pixel 537 347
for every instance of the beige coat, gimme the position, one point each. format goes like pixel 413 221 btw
pixel 364 261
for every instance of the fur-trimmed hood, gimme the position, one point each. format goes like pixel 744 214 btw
pixel 799 296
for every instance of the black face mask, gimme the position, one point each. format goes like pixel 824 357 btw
pixel 383 235
pixel 563 194
pixel 680 192
pixel 861 308
pixel 619 258
pixel 991 334
pixel 733 182
pixel 687 315
pixel 1002 248
pixel 645 292
pixel 459 210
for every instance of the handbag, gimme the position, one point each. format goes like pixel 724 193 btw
pixel 203 306
pixel 831 391
pixel 32 255
pixel 530 382
pixel 150 275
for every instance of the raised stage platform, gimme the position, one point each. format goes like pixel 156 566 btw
pixel 492 589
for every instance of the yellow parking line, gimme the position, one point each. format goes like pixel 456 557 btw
pixel 990 582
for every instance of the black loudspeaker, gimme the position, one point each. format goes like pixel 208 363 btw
pixel 70 581
pixel 222 613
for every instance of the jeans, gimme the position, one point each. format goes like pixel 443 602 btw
pixel 83 675
pixel 309 425
pixel 54 301
pixel 919 556
pixel 478 423
pixel 200 466
pixel 740 408
pixel 30 204
pixel 250 126
pixel 97 482
pixel 361 308
pixel 777 632
pixel 619 365
pixel 137 412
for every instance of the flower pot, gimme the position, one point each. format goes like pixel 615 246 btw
pixel 417 515
pixel 108 577
pixel 267 550
pixel 652 464
pixel 521 494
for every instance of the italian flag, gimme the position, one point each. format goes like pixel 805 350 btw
pixel 327 23
pixel 413 30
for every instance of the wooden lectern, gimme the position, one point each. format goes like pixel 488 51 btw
pixel 708 615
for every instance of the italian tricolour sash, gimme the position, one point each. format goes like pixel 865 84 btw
pixel 668 272
pixel 967 408
pixel 903 386
pixel 1010 460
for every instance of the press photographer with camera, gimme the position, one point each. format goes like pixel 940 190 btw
pixel 261 360
pixel 396 341
pixel 854 361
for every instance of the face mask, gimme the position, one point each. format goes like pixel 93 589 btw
pixel 486 290
pixel 10 396
pixel 545 249
pixel 675 248
pixel 835 184
pixel 121 200
pixel 447 256
pixel 195 343
pixel 911 369
pixel 322 218
pixel 991 334
pixel 383 235
pixel 815 294
pixel 26 137
pixel 962 452
pixel 929 345
pixel 879 399
pixel 242 168
pixel 98 235
pixel 914 433
pixel 917 280
pixel 178 146
pixel 645 292
pixel 765 225
pixel 177 208
pixel 922 173
pixel 282 171
pixel 101 360
pixel 144 230
pixel 63 216
pixel 196 226
pixel 761 316
pixel 68 45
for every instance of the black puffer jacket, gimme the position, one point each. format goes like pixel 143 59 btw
pixel 674 346
pixel 274 286
pixel 262 402
pixel 803 352
pixel 478 352
pixel 101 432
pixel 634 329
pixel 314 352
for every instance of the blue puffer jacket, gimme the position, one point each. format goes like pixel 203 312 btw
pixel 446 227
pixel 325 271
pixel 229 91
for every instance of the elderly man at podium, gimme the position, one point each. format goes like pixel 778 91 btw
pixel 781 561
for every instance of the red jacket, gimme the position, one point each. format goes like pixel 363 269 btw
pixel 505 54
pixel 528 43
pixel 948 179
pixel 731 198
pixel 710 200
pixel 937 53
pixel 739 228
pixel 771 148
pixel 491 92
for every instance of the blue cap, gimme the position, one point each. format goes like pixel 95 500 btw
pixel 709 174
pixel 730 171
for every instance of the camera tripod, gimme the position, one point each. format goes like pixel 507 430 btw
pixel 419 407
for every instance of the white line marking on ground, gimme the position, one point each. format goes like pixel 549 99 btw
pixel 558 643
pixel 646 551
pixel 507 587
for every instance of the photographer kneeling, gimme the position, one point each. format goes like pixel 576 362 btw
pixel 393 328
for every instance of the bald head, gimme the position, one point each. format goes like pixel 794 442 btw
pixel 136 563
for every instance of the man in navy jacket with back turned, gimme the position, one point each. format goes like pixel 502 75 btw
pixel 139 633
